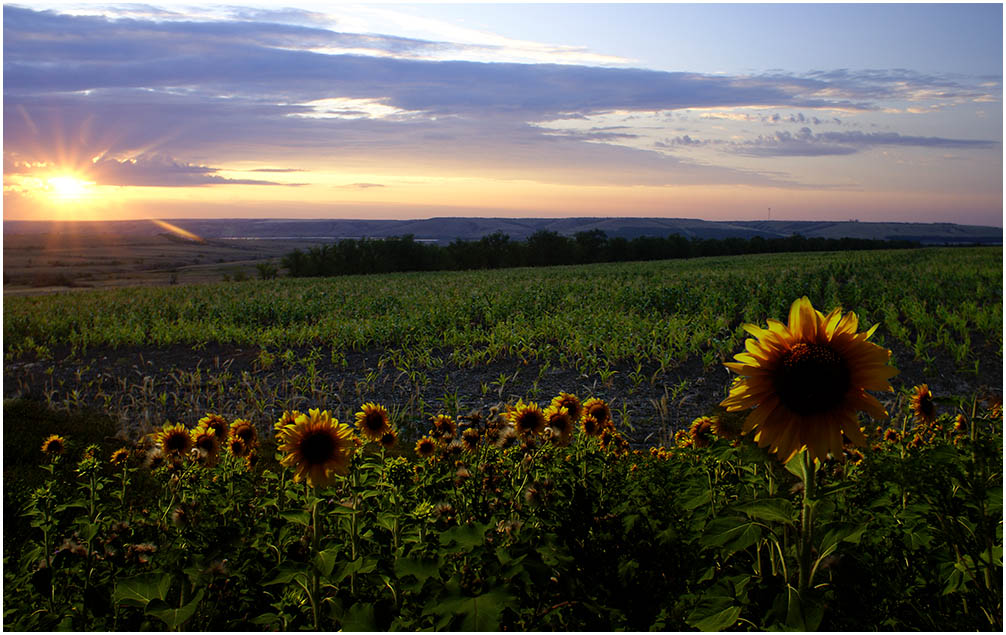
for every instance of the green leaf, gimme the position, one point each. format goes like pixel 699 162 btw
pixel 325 561
pixel 731 534
pixel 360 617
pixel 479 613
pixel 698 501
pixel 422 568
pixel 139 590
pixel 769 510
pixel 713 613
pixel 836 533
pixel 466 536
pixel 302 518
pixel 285 574
pixel 174 617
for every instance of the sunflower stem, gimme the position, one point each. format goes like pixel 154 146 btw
pixel 807 523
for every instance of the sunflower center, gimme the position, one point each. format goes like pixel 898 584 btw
pixel 374 421
pixel 812 379
pixel 318 448
pixel 177 442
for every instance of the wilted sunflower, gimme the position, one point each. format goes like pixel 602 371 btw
pixel 54 445
pixel 561 423
pixel 806 381
pixel 701 431
pixel 425 447
pixel 470 438
pixel 527 418
pixel 598 409
pixel 216 423
pixel 922 404
pixel 444 426
pixel 244 430
pixel 206 444
pixel 570 403
pixel 317 447
pixel 174 440
pixel 372 421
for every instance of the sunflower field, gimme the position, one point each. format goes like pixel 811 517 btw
pixel 786 441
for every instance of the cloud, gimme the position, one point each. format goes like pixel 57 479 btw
pixel 807 143
pixel 285 88
pixel 142 171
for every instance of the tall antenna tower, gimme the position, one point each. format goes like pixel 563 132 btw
pixel 770 213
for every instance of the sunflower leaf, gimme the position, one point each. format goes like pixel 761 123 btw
pixel 174 617
pixel 769 510
pixel 139 590
pixel 731 534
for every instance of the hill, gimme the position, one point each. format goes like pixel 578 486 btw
pixel 446 229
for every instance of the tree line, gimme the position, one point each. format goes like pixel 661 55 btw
pixel 542 249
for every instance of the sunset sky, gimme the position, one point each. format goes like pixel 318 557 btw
pixel 335 110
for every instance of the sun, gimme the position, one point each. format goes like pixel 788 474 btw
pixel 66 187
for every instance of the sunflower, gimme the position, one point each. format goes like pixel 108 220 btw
pixel 216 423
pixel 389 439
pixel 570 403
pixel 527 418
pixel 119 457
pixel 960 424
pixel 590 425
pixel 922 404
pixel 598 409
pixel 317 447
pixel 54 445
pixel 244 430
pixel 206 444
pixel 372 420
pixel 174 440
pixel 444 426
pixel 425 447
pixel 288 418
pixel 560 422
pixel 701 432
pixel 807 380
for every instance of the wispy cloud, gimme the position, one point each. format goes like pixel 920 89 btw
pixel 806 143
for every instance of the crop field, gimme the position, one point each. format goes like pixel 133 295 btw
pixel 437 510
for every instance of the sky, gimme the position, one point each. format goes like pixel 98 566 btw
pixel 294 109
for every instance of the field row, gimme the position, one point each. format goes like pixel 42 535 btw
pixel 588 317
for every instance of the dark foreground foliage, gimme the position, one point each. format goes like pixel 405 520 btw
pixel 531 536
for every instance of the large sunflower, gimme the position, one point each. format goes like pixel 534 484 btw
pixel 527 418
pixel 204 440
pixel 807 380
pixel 570 403
pixel 561 424
pixel 599 409
pixel 216 423
pixel 174 440
pixel 922 404
pixel 372 420
pixel 244 430
pixel 317 447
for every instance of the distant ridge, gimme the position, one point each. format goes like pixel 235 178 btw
pixel 446 229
